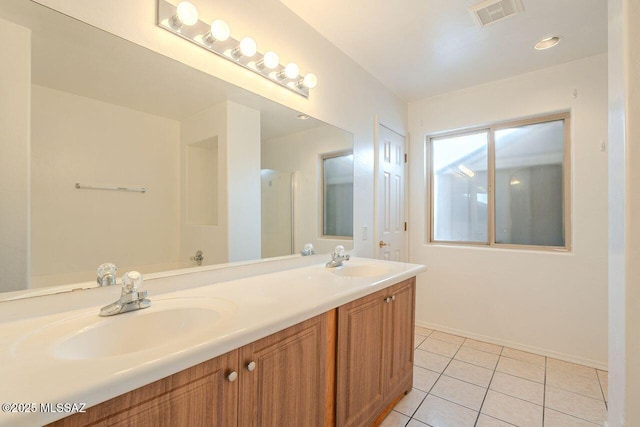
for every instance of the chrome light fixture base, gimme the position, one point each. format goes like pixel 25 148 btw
pixel 199 34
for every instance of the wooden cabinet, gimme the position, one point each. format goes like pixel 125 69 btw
pixel 374 353
pixel 285 380
pixel 198 396
pixel 289 383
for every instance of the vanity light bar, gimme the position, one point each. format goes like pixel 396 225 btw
pixel 183 21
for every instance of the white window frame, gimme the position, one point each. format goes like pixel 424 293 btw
pixel 491 129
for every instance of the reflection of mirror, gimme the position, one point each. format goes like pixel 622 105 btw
pixel 106 112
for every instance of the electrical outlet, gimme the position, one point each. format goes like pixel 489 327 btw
pixel 364 233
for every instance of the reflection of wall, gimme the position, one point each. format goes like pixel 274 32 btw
pixel 276 213
pixel 202 182
pixel 211 239
pixel 300 152
pixel 236 234
pixel 15 86
pixel 76 139
pixel 550 302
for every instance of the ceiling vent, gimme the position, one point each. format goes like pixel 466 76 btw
pixel 490 11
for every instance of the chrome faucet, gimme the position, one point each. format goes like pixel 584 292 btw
pixel 107 274
pixel 308 250
pixel 337 257
pixel 130 299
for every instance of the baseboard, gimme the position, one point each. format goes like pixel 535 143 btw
pixel 518 346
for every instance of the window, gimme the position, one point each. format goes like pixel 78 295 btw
pixel 337 194
pixel 505 184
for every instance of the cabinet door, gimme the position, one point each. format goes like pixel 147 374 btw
pixel 284 378
pixel 198 396
pixel 399 339
pixel 360 370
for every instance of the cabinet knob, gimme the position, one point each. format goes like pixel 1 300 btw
pixel 393 297
pixel 251 366
pixel 387 300
pixel 233 375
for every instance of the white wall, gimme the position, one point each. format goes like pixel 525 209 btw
pixel 77 139
pixel 15 87
pixel 624 210
pixel 300 152
pixel 552 303
pixel 347 96
pixel 212 240
pixel 243 178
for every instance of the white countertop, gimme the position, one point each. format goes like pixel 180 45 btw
pixel 257 306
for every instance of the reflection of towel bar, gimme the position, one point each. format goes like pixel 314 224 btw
pixel 98 187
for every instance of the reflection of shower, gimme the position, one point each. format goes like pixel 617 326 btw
pixel 278 196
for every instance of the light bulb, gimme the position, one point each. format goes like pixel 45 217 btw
pixel 187 13
pixel 220 30
pixel 270 60
pixel 291 71
pixel 310 81
pixel 248 47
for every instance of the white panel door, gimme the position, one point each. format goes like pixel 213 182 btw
pixel 390 243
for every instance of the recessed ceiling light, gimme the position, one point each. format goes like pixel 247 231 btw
pixel 547 43
pixel 303 116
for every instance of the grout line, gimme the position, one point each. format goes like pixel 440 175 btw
pixel 604 398
pixel 544 393
pixel 488 387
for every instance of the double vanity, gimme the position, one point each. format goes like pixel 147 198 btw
pixel 281 342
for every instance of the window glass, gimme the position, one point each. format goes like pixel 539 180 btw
pixel 460 185
pixel 337 197
pixel 529 189
pixel 503 184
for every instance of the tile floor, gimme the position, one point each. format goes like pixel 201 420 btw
pixel 460 382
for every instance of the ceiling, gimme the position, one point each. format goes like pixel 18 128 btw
pixel 420 48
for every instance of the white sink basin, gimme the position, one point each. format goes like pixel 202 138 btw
pixel 361 270
pixel 167 325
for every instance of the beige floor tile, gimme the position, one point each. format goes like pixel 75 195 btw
pixel 518 387
pixel 395 419
pixel 569 367
pixel 483 346
pixel 523 355
pixel 521 369
pixel 603 376
pixel 470 373
pixel 487 421
pixel 443 336
pixel 558 419
pixel 416 423
pixel 438 412
pixel 574 382
pixel 424 379
pixel 425 332
pixel 477 357
pixel 512 410
pixel 417 340
pixel 442 348
pixel 459 392
pixel 575 404
pixel 431 361
pixel 410 402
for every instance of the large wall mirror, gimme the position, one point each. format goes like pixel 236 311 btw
pixel 142 161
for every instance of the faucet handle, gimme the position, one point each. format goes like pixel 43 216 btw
pixel 338 251
pixel 106 274
pixel 131 280
pixel 308 250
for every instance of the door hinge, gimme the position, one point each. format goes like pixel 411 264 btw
pixel 406 157
pixel 405 226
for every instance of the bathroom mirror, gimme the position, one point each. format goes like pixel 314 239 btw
pixel 140 160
